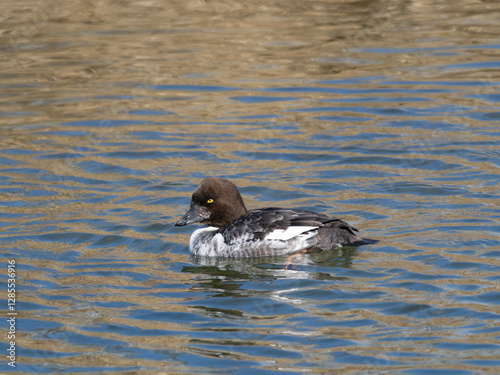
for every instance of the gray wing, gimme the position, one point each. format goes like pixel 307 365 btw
pixel 278 231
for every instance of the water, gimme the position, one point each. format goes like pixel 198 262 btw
pixel 385 114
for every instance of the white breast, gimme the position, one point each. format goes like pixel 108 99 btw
pixel 204 242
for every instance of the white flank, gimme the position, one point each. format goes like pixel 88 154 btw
pixel 288 233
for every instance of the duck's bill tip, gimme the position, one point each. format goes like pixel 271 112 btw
pixel 180 223
pixel 192 216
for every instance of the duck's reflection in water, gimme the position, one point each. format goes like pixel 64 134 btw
pixel 318 265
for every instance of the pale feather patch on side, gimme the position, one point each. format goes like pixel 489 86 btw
pixel 218 244
pixel 300 242
pixel 288 233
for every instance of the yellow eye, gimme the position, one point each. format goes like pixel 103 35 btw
pixel 210 200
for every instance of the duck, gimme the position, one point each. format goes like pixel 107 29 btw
pixel 232 231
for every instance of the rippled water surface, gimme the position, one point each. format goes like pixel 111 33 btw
pixel 383 113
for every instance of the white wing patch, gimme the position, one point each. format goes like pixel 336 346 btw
pixel 288 233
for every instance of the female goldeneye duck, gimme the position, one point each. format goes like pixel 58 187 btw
pixel 233 231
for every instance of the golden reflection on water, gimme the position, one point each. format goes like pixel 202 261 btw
pixel 66 55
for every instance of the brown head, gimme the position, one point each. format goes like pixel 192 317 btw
pixel 216 202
